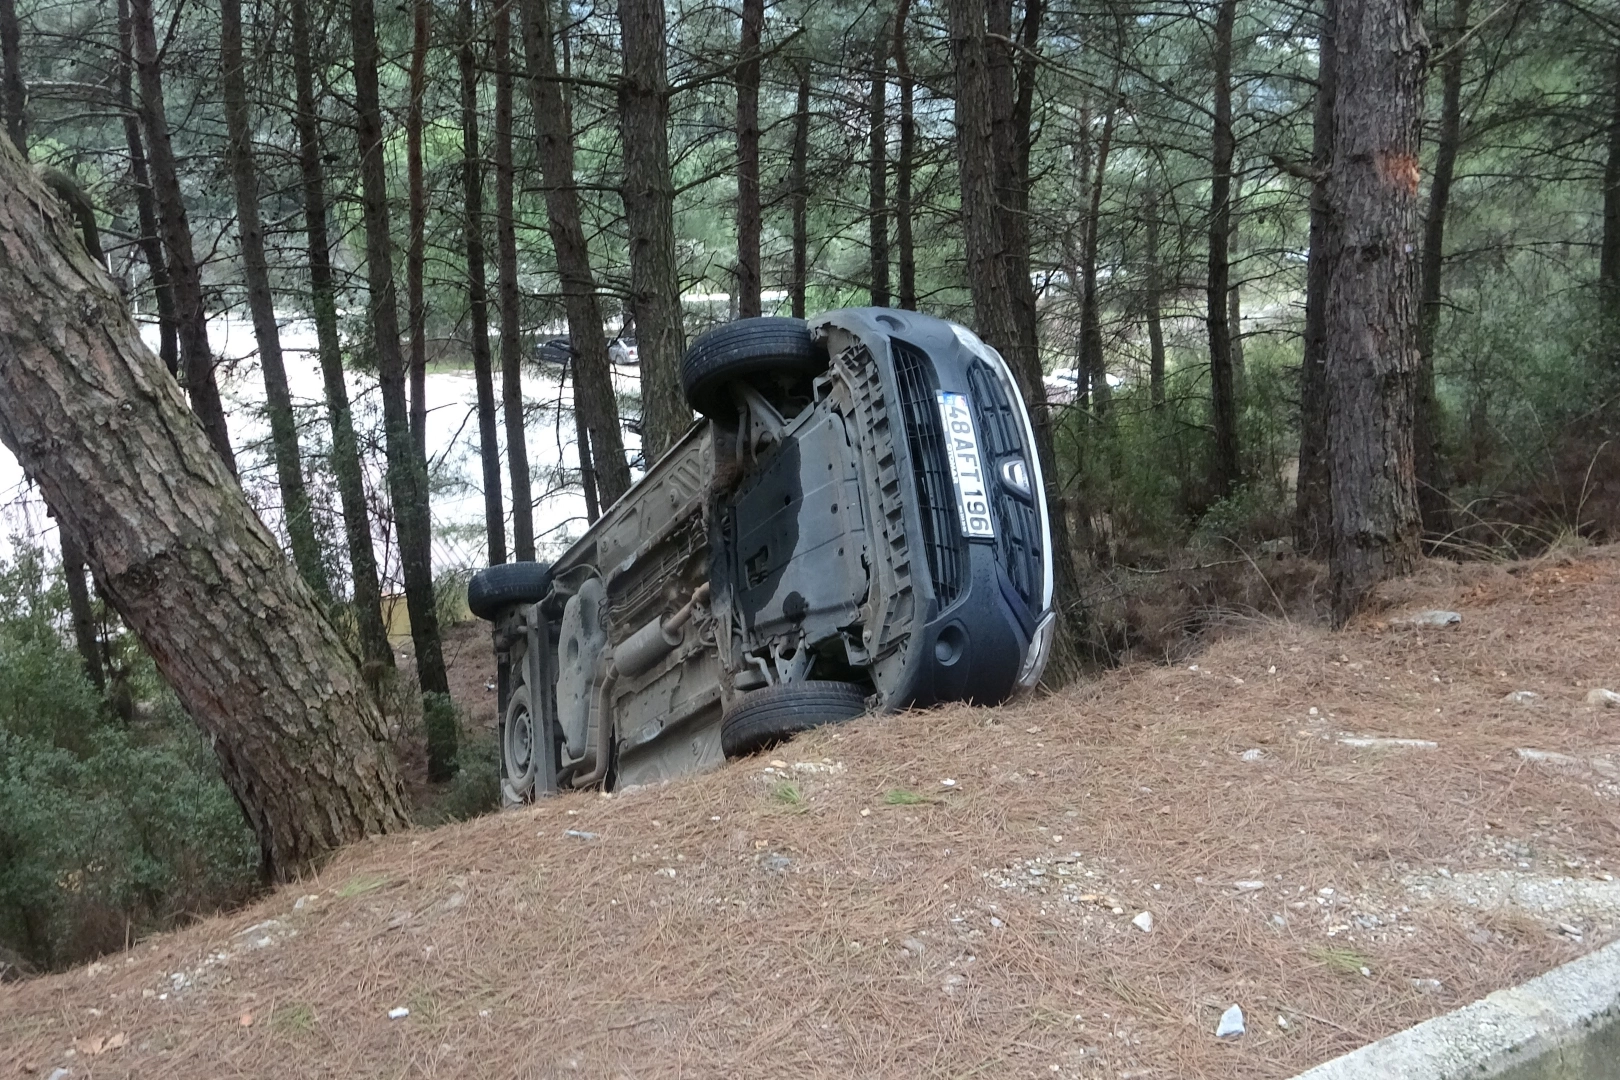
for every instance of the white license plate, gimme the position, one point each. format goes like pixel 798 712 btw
pixel 967 469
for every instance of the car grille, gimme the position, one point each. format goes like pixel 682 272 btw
pixel 936 496
pixel 1018 524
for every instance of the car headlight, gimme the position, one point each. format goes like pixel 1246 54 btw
pixel 1040 647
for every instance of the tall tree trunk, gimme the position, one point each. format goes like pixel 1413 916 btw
pixel 905 163
pixel 1313 504
pixel 649 210
pixel 1431 492
pixel 748 209
pixel 1225 467
pixel 1094 369
pixel 151 238
pixel 1153 296
pixel 1609 262
pixel 1371 313
pixel 73 565
pixel 472 180
pixel 594 404
pixel 374 645
pixel 177 550
pixel 1234 288
pixel 989 149
pixel 196 357
pixel 295 503
pixel 416 226
pixel 799 193
pixel 13 90
pixel 506 262
pixel 407 474
pixel 80 611
pixel 877 174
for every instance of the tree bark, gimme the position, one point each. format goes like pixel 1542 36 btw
pixel 295 503
pixel 1609 256
pixel 472 180
pixel 1371 317
pixel 1234 287
pixel 648 191
pixel 407 474
pixel 1225 467
pixel 517 449
pixel 176 549
pixel 416 226
pixel 1431 493
pixel 595 408
pixel 877 173
pixel 13 90
pixel 1313 505
pixel 1094 366
pixel 905 163
pixel 749 225
pixel 151 238
pixel 1153 296
pixel 196 357
pixel 992 158
pixel 374 645
pixel 80 611
pixel 799 193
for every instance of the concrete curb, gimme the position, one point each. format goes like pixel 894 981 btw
pixel 1561 1026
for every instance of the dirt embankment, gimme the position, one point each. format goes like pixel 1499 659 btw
pixel 961 892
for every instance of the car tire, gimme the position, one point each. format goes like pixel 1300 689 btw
pixel 745 349
pixel 496 588
pixel 768 716
pixel 520 749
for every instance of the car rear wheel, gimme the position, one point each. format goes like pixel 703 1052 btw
pixel 766 717
pixel 497 588
pixel 756 350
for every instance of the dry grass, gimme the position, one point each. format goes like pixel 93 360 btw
pixel 848 914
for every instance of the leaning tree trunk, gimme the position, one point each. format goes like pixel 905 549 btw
pixel 176 549
pixel 1432 502
pixel 151 239
pixel 374 645
pixel 648 191
pixel 596 410
pixel 799 194
pixel 748 209
pixel 877 173
pixel 472 181
pixel 196 356
pixel 506 264
pixel 905 163
pixel 1313 505
pixel 295 503
pixel 1371 317
pixel 407 474
pixel 1224 464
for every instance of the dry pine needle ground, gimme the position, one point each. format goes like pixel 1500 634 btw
pixel 952 893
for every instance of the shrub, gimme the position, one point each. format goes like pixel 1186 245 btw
pixel 106 831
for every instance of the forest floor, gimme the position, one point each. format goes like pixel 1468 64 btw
pixel 960 892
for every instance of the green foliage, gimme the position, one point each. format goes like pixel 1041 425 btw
pixel 106 831
pixel 441 724
pixel 476 787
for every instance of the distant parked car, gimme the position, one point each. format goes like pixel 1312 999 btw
pixel 858 523
pixel 623 350
pixel 557 351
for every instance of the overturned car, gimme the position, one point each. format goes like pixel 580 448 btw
pixel 857 523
